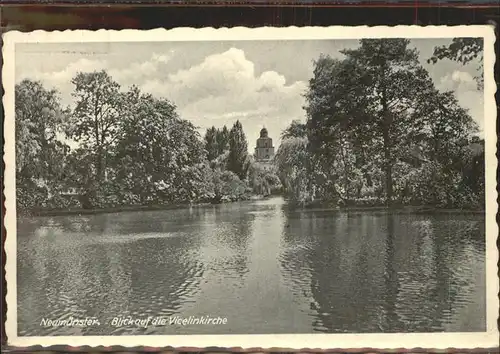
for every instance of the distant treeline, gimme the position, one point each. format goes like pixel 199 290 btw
pixel 132 149
pixel 378 132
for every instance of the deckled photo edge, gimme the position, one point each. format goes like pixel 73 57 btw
pixel 323 341
pixel 491 161
pixel 8 82
pixel 246 33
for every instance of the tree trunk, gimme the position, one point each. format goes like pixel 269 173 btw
pixel 98 165
pixel 386 128
pixel 387 122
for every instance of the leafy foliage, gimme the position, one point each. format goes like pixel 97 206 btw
pixel 292 162
pixel 96 115
pixel 295 130
pixel 211 143
pixel 263 181
pixel 222 140
pixel 379 132
pixel 216 142
pixel 238 151
pixel 40 155
pixel 155 151
pixel 462 50
pixel 132 149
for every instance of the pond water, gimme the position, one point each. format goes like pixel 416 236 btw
pixel 264 267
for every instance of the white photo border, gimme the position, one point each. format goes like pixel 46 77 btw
pixel 488 339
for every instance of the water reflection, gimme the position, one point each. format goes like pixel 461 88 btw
pixel 95 267
pixel 369 272
pixel 390 319
pixel 265 267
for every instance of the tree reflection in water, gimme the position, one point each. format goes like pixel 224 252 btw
pixel 382 272
pixel 295 271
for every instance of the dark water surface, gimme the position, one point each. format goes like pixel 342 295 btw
pixel 265 268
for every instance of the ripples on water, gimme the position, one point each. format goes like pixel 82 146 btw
pixel 266 268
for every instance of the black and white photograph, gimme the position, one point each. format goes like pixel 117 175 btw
pixel 304 186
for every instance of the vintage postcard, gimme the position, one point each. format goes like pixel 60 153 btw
pixel 271 187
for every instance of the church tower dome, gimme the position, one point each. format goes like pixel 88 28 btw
pixel 263 133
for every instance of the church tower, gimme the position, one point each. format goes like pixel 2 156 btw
pixel 264 149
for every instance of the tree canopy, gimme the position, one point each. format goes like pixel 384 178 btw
pixel 378 131
pixel 131 148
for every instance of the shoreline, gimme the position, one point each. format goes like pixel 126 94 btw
pixel 112 210
pixel 396 209
pixel 424 209
pixel 128 208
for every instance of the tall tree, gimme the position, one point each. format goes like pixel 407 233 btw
pixel 466 51
pixel 39 121
pixel 40 152
pixel 156 151
pixel 211 143
pixel 292 162
pixel 296 129
pixel 222 140
pixel 369 95
pixel 238 151
pixel 338 113
pixel 96 116
pixel 444 139
pixel 448 128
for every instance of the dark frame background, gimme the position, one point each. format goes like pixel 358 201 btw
pixel 63 15
pixel 116 15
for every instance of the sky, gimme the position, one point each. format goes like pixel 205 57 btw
pixel 260 83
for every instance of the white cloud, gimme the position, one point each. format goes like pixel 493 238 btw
pixel 61 80
pixel 224 87
pixel 138 72
pixel 458 80
pixel 218 90
pixel 135 73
